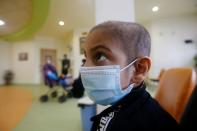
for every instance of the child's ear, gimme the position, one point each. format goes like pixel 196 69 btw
pixel 142 66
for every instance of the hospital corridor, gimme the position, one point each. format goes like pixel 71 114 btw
pixel 89 65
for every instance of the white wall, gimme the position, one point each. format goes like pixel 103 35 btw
pixel 168 47
pixel 5 58
pixel 28 72
pixel 24 70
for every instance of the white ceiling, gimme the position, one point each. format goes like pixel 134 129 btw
pixel 80 13
pixel 167 8
pixel 75 13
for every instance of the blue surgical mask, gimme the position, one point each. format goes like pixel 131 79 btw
pixel 102 83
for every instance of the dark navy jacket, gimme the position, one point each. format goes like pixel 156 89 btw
pixel 137 110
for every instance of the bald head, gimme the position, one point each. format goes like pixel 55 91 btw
pixel 134 38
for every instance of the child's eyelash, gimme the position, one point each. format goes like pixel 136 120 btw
pixel 100 57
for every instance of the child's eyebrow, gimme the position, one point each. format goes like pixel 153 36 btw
pixel 100 47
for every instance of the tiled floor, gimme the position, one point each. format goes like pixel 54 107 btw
pixel 53 116
pixel 49 116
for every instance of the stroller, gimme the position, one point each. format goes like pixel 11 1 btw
pixel 52 80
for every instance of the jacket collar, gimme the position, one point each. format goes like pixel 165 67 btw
pixel 135 94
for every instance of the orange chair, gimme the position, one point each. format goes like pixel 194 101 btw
pixel 174 90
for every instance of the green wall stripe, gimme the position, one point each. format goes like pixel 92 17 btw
pixel 40 13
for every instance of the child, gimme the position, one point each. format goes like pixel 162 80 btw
pixel 117 62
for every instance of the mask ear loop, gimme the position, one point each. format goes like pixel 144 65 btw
pixel 129 64
pixel 131 84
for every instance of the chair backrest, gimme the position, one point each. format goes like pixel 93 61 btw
pixel 174 90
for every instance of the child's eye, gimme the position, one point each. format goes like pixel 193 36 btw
pixel 100 57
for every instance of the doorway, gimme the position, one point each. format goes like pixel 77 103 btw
pixel 48 54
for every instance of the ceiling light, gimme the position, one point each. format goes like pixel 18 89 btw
pixel 2 23
pixel 155 8
pixel 61 23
